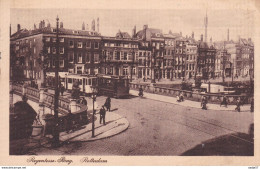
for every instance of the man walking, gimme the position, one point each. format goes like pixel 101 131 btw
pixel 102 113
pixel 108 103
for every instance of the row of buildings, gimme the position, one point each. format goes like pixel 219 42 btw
pixel 146 54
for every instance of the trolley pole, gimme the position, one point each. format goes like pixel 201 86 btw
pixel 56 96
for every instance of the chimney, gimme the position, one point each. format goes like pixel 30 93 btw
pixel 87 27
pixel 192 35
pixel 201 37
pixel 18 27
pixel 93 25
pixel 43 24
pixel 83 26
pixel 134 32
pixel 210 39
pixel 40 25
pixel 97 24
pixel 145 27
pixel 61 24
pixel 49 25
pixel 34 27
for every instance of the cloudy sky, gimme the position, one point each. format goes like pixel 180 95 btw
pixel 239 22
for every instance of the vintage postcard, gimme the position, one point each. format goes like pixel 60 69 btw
pixel 129 82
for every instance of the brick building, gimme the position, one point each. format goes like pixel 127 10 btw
pixel 119 55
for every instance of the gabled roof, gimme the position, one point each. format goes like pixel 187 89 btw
pixel 122 35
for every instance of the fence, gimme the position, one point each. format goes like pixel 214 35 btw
pixel 190 95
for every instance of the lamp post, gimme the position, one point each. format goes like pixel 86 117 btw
pixel 152 67
pixel 94 97
pixel 56 96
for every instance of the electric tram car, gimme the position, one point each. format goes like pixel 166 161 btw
pixel 113 86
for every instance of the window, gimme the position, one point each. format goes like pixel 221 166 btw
pixel 96 71
pixel 61 50
pixel 88 45
pixel 47 39
pixel 71 57
pixel 61 39
pixel 125 70
pixel 87 57
pixel 30 44
pixel 96 45
pixel 140 54
pixel 34 50
pixel 49 49
pixel 71 44
pixel 79 69
pixel 34 40
pixel 96 58
pixel 61 63
pixel 87 71
pixel 54 30
pixel 54 50
pixel 79 58
pixel 105 44
pixel 125 55
pixel 69 79
pixel 134 71
pixel 118 55
pixel 111 70
pixel 53 63
pixel 54 39
pixel 79 44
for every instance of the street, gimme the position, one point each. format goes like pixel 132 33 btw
pixel 160 128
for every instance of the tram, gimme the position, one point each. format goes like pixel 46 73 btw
pixel 113 86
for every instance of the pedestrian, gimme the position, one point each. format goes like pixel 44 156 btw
pixel 84 101
pixel 102 113
pixel 238 104
pixel 204 103
pixel 108 103
pixel 224 102
pixel 62 89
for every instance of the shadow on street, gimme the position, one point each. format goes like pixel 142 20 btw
pixel 234 144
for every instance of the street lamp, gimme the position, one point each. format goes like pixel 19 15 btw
pixel 94 97
pixel 56 96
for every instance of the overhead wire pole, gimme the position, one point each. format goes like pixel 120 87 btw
pixel 56 96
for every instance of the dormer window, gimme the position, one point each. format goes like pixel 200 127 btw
pixel 157 35
pixel 54 30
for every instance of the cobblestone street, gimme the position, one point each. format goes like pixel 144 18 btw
pixel 160 128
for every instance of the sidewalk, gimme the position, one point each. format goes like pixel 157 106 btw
pixel 115 124
pixel 188 103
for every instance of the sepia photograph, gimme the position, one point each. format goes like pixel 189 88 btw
pixel 130 82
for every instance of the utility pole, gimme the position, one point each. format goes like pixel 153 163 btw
pixel 56 96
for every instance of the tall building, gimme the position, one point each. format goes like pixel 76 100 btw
pixel 152 40
pixel 79 50
pixel 119 56
pixel 206 60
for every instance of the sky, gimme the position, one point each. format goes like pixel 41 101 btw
pixel 239 22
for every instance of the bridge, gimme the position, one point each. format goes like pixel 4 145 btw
pixel 43 103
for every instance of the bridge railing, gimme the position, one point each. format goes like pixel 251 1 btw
pixel 80 114
pixel 190 95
